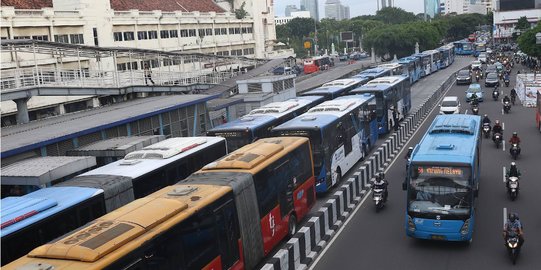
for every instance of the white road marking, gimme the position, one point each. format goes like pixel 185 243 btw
pixel 503 126
pixel 504 216
pixel 502 112
pixel 466 111
pixel 503 145
pixel 367 195
pixel 504 170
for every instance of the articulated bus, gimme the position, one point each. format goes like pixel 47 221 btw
pixel 443 180
pixel 538 110
pixel 336 88
pixel 447 55
pixel 413 65
pixel 316 64
pixel 229 215
pixel 258 123
pixel 341 131
pixel 373 73
pixel 391 92
pixel 435 58
pixel 463 47
pixel 396 69
pixel 426 66
pixel 39 217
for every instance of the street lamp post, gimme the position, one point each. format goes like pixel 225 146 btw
pixel 538 38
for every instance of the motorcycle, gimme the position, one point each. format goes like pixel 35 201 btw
pixel 495 94
pixel 475 109
pixel 506 81
pixel 486 130
pixel 477 77
pixel 378 198
pixel 497 138
pixel 506 107
pixel 512 243
pixel 512 187
pixel 514 151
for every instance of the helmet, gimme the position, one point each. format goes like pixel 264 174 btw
pixel 513 217
pixel 410 148
pixel 514 133
pixel 513 164
pixel 486 115
pixel 498 122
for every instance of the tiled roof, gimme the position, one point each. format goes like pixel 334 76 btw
pixel 164 5
pixel 27 4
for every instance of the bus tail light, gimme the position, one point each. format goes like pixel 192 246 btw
pixel 411 225
pixel 465 228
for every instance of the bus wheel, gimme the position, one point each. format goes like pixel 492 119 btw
pixel 338 176
pixel 292 226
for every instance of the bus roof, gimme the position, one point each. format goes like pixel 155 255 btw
pixel 252 156
pixel 137 221
pixel 325 113
pixel 420 55
pixel 371 71
pixel 408 59
pixel 267 113
pixel 431 51
pixel 20 212
pixel 143 161
pixel 341 82
pixel 450 138
pixel 390 65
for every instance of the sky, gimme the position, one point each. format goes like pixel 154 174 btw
pixel 356 7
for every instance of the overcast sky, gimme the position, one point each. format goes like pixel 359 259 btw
pixel 357 7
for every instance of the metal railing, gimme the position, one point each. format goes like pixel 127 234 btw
pixel 21 79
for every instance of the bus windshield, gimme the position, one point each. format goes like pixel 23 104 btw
pixel 440 191
pixel 235 139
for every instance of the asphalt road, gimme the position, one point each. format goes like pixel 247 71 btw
pixel 370 240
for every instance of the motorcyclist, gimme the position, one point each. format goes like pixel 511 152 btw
pixel 381 183
pixel 474 99
pixel 486 120
pixel 506 98
pixel 513 171
pixel 514 139
pixel 513 224
pixel 497 128
pixel 408 154
pixel 506 77
pixel 513 95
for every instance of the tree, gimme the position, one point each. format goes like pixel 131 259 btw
pixel 523 23
pixel 393 15
pixel 301 27
pixel 526 42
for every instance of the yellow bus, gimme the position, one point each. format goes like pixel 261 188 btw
pixel 226 216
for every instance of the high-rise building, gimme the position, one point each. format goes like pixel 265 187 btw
pixel 432 7
pixel 386 3
pixel 335 10
pixel 289 9
pixel 312 6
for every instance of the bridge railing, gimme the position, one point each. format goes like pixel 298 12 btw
pixel 25 78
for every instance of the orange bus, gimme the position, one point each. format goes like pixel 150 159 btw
pixel 316 64
pixel 229 215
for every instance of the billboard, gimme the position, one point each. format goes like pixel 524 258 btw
pixel 346 36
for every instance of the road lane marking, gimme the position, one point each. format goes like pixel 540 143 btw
pixel 367 195
pixel 503 126
pixel 466 112
pixel 504 174
pixel 504 216
pixel 503 145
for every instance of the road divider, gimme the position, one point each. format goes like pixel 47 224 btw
pixel 301 250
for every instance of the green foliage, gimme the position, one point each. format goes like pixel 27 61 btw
pixel 240 13
pixel 523 23
pixel 526 42
pixel 393 15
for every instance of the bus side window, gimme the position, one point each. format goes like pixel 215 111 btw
pixel 228 233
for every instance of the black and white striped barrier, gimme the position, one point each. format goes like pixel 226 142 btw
pixel 301 250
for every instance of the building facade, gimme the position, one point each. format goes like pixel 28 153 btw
pixel 289 9
pixel 431 7
pixel 312 6
pixel 294 14
pixel 507 14
pixel 335 10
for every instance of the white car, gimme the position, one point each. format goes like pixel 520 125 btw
pixel 450 105
pixel 476 65
pixel 482 57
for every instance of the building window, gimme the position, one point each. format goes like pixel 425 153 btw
pixel 184 33
pixel 208 31
pixel 3 38
pixel 117 36
pixel 152 34
pixel 201 32
pixel 173 33
pixel 216 31
pixel 244 30
pixel 121 67
pixel 191 33
pixel 164 33
pixel 42 37
pixel 237 30
pixel 219 53
pixel 226 53
pixel 250 30
pixel 129 36
pixel 224 31
pixel 95 32
pixel 142 35
pixel 231 30
pixel 77 39
pixel 23 37
pixel 61 38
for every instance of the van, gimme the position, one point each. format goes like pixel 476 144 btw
pixel 450 105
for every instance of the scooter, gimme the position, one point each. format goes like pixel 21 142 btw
pixel 378 198
pixel 506 81
pixel 514 151
pixel 495 94
pixel 486 130
pixel 512 187
pixel 497 138
pixel 477 77
pixel 513 247
pixel 506 107
pixel 475 109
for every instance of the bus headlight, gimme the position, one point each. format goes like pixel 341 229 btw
pixel 411 225
pixel 465 228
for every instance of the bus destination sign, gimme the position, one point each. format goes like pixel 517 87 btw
pixel 440 171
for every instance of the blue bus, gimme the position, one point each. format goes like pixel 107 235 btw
pixel 373 73
pixel 479 47
pixel 396 69
pixel 336 88
pixel 341 132
pixel 447 55
pixel 36 218
pixel 463 47
pixel 443 180
pixel 426 67
pixel 391 92
pixel 413 65
pixel 258 123
pixel 435 60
